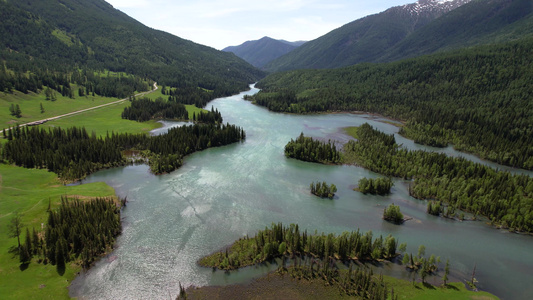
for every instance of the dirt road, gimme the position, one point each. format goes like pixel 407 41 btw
pixel 84 110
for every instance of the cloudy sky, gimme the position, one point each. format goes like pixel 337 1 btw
pixel 232 22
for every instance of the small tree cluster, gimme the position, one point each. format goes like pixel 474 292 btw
pixel 323 189
pixel 77 230
pixel 307 149
pixel 424 266
pixel 392 214
pixel 434 208
pixel 15 111
pixel 379 186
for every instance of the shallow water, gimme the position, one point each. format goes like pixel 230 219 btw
pixel 224 193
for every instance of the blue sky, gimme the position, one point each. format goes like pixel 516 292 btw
pixel 232 22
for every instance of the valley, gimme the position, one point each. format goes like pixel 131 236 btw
pixel 390 158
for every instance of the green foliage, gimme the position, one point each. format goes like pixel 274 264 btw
pixel 323 190
pixel 267 243
pixel 30 192
pixel 73 154
pixel 81 230
pixel 478 99
pixel 307 149
pixel 503 198
pixel 144 109
pixel 434 208
pixel 92 35
pixel 378 186
pixel 392 214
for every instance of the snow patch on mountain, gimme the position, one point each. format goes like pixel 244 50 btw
pixel 423 6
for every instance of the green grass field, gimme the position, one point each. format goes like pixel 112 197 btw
pixel 30 106
pixel 103 120
pixel 28 191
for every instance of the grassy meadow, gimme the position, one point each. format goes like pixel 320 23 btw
pixel 28 192
pixel 30 106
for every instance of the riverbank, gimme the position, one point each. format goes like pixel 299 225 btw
pixel 283 286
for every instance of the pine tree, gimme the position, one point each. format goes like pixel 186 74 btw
pixel 18 112
pixel 60 255
pixel 27 242
pixel 446 272
pixel 36 242
pixel 15 227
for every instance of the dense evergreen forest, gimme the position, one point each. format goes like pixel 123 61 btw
pixel 145 109
pixel 72 153
pixel 307 149
pixel 77 230
pixel 505 199
pixel 478 99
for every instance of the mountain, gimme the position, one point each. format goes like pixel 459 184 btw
pixel 260 52
pixel 365 39
pixel 57 35
pixel 479 22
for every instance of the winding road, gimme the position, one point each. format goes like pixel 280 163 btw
pixel 39 122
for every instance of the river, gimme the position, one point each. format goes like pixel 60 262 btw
pixel 222 194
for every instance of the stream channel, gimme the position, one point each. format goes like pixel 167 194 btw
pixel 222 194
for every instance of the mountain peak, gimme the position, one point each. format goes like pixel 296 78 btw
pixel 262 51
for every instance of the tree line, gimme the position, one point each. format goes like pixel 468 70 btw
pixel 477 99
pixel 279 240
pixel 75 231
pixel 145 109
pixel 307 149
pixel 73 154
pixel 89 82
pixel 505 199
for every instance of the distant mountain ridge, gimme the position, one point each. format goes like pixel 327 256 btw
pixel 410 30
pixel 262 51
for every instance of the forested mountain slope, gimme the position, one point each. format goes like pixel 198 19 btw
pixel 262 51
pixel 479 22
pixel 365 39
pixel 479 99
pixel 421 28
pixel 62 35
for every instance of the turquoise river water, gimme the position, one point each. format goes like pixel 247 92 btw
pixel 222 194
